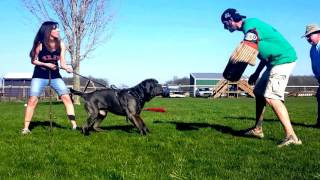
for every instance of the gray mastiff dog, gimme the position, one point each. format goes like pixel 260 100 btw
pixel 125 102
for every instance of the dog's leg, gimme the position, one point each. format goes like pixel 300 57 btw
pixel 96 125
pixel 144 127
pixel 132 121
pixel 101 116
pixel 140 123
pixel 135 121
pixel 86 127
pixel 131 111
pixel 93 115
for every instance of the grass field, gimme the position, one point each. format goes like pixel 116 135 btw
pixel 194 139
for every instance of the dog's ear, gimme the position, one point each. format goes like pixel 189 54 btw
pixel 148 87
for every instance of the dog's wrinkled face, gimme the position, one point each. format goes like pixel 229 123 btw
pixel 151 88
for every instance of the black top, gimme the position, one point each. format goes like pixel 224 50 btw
pixel 47 56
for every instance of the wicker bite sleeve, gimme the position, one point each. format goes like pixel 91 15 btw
pixel 246 52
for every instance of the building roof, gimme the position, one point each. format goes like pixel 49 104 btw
pixel 207 75
pixel 18 76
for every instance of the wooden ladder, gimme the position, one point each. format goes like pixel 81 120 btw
pixel 243 84
pixel 221 88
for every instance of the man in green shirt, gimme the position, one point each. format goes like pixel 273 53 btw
pixel 278 56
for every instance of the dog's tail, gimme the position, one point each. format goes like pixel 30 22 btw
pixel 75 92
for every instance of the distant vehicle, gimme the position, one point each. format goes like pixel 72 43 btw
pixel 204 92
pixel 165 92
pixel 173 92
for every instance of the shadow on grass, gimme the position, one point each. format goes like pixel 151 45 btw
pixel 43 124
pixel 304 125
pixel 53 103
pixel 46 124
pixel 270 120
pixel 186 126
pixel 125 128
pixel 244 118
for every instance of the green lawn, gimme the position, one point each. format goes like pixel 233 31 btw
pixel 194 139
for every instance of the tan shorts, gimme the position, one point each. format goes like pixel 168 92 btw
pixel 273 81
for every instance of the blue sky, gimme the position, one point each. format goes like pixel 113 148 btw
pixel 163 38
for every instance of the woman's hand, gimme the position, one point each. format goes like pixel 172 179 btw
pixel 51 66
pixel 68 69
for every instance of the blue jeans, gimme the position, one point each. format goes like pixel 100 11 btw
pixel 38 85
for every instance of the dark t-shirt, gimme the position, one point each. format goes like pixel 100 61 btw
pixel 47 56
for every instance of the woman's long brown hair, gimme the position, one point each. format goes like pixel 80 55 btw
pixel 42 37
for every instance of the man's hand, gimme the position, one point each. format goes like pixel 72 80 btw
pixel 253 78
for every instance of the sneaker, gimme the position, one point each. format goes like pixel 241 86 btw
pixel 254 133
pixel 25 131
pixel 290 140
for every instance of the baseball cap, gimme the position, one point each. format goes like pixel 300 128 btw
pixel 230 13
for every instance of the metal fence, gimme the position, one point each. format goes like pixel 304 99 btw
pixel 190 90
pixel 301 90
pixel 21 93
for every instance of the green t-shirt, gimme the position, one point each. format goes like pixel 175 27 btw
pixel 272 46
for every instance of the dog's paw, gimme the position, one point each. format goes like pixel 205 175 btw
pixel 98 129
pixel 143 132
pixel 85 131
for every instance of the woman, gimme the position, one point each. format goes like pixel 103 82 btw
pixel 46 51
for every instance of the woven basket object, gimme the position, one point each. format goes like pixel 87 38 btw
pixel 246 52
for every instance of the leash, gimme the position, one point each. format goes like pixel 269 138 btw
pixel 50 100
pixel 89 80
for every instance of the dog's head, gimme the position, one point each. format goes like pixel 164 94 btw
pixel 150 88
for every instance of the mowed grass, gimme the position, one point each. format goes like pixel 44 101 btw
pixel 195 139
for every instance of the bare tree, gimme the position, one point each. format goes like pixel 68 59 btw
pixel 84 23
